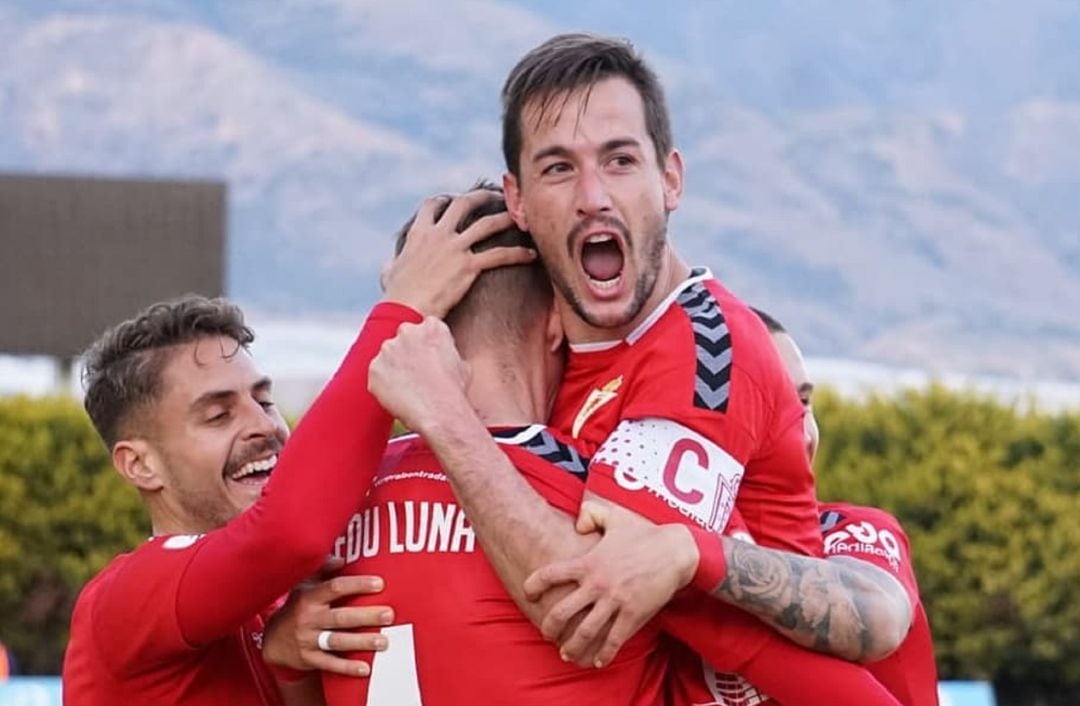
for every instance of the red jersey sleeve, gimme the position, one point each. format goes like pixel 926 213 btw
pixel 733 641
pixel 872 535
pixel 206 587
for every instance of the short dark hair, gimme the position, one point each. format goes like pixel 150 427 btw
pixel 123 367
pixel 771 324
pixel 567 62
pixel 503 302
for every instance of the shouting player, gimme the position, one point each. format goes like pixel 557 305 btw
pixel 672 384
pixel 238 515
pixel 412 527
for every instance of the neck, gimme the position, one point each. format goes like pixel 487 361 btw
pixel 506 393
pixel 673 271
pixel 163 521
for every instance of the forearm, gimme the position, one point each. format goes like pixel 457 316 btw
pixel 518 529
pixel 848 609
pixel 322 475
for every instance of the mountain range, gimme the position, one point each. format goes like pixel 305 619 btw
pixel 895 180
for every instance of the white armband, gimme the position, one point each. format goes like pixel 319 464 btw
pixel 688 471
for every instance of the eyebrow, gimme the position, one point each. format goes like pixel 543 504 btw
pixel 207 399
pixel 609 146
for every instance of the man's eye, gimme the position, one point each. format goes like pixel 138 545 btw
pixel 219 417
pixel 266 404
pixel 623 160
pixel 556 168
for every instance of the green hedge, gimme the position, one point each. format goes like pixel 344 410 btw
pixel 63 514
pixel 991 500
pixel 989 496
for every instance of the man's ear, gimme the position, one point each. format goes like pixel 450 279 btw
pixel 514 205
pixel 136 462
pixel 673 180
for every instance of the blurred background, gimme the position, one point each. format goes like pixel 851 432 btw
pixel 895 180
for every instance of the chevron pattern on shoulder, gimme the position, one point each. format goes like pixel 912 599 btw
pixel 830 519
pixel 712 382
pixel 555 452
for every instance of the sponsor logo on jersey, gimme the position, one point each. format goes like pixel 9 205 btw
pixel 864 538
pixel 596 399
pixel 689 472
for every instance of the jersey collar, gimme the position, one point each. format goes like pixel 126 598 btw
pixel 698 274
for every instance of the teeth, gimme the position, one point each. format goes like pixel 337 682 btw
pixel 599 238
pixel 247 469
pixel 606 284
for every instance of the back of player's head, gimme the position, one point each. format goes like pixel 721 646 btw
pixel 568 62
pixel 123 368
pixel 771 324
pixel 504 303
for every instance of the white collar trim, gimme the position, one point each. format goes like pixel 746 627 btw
pixel 698 274
pixel 522 436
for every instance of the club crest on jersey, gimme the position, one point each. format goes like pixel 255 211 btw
pixel 596 399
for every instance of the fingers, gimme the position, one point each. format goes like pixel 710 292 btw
pixel 625 626
pixel 592 517
pixel 554 623
pixel 342 586
pixel 485 227
pixel 538 583
pixel 328 662
pixel 426 213
pixel 503 256
pixel 343 641
pixel 588 632
pixel 358 617
pixel 462 205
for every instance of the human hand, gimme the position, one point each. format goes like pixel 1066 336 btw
pixel 437 266
pixel 291 638
pixel 622 582
pixel 418 375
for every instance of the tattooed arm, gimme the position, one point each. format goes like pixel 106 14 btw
pixel 844 607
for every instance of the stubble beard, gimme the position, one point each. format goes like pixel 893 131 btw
pixel 643 287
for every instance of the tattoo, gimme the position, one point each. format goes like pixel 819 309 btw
pixel 824 605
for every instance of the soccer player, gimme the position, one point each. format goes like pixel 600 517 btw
pixel 460 638
pixel 868 534
pixel 672 385
pixel 412 527
pixel 238 515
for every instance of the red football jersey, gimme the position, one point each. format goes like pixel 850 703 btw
pixel 126 644
pixel 460 638
pixel 873 535
pixel 695 407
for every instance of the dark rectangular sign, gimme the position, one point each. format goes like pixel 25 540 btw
pixel 80 254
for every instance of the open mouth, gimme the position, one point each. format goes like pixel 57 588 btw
pixel 254 472
pixel 602 260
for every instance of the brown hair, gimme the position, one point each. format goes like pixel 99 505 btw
pixel 771 324
pixel 568 62
pixel 504 302
pixel 123 367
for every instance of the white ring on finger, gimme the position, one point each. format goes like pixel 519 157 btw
pixel 323 640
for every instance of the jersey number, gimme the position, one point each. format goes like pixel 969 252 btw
pixel 393 672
